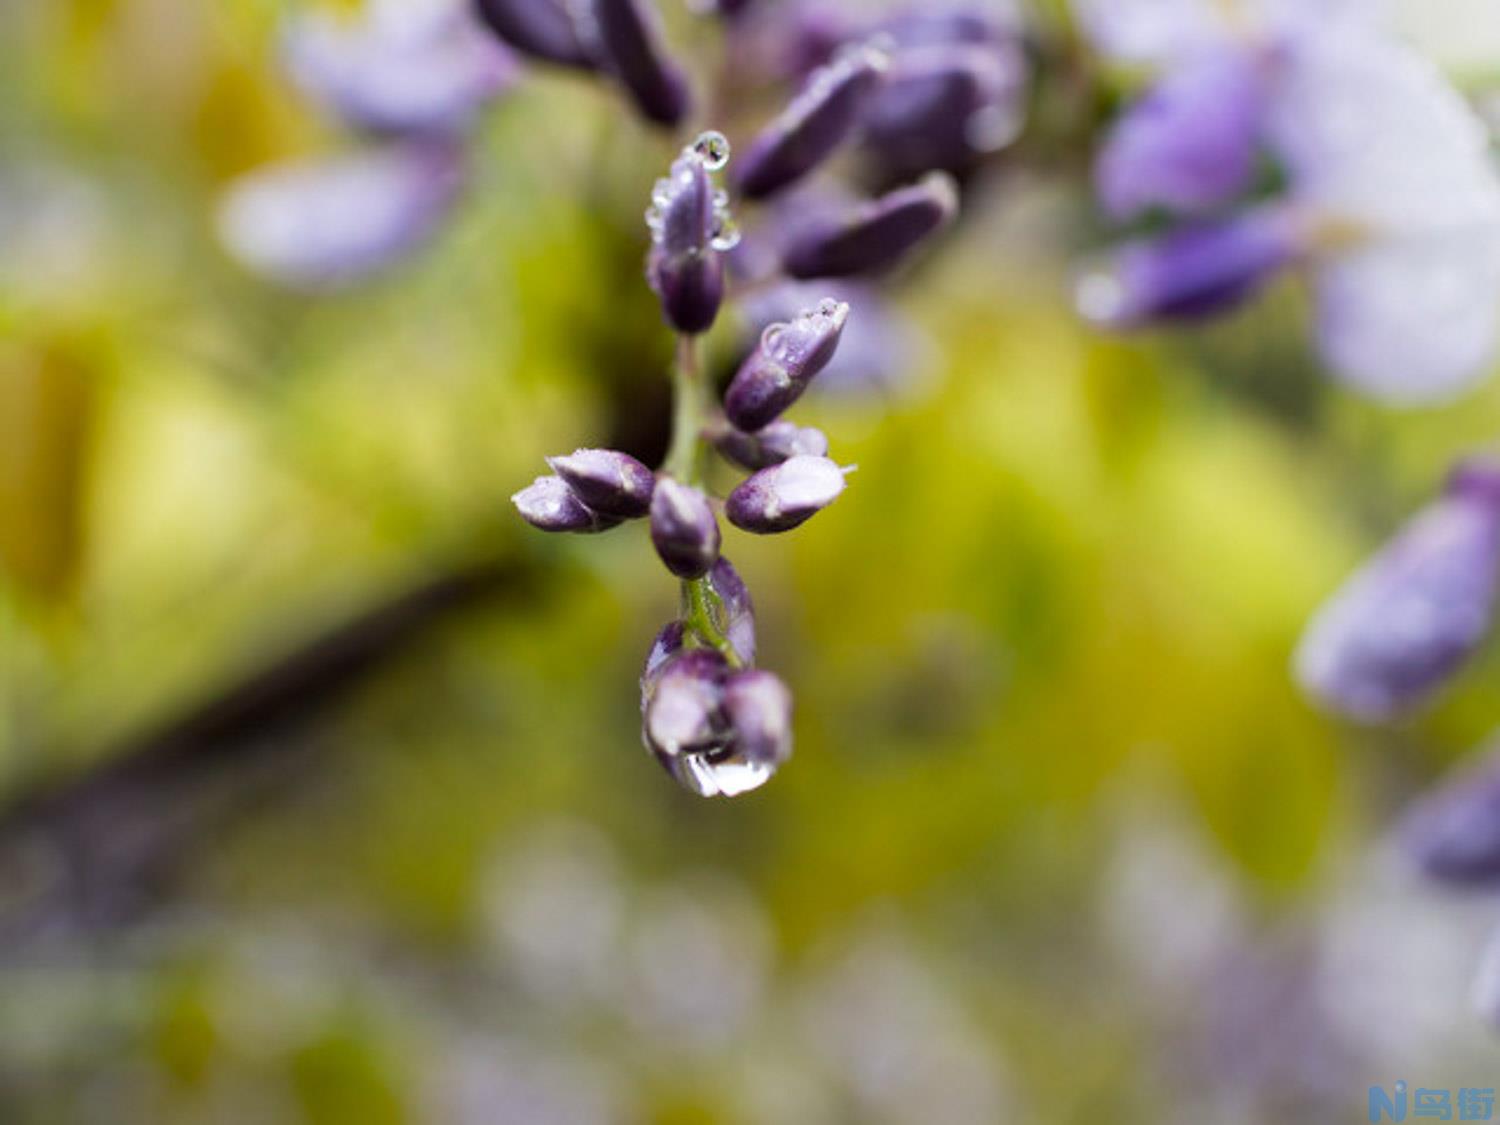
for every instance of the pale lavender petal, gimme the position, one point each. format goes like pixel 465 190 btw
pixel 429 68
pixel 1453 832
pixel 1411 617
pixel 326 223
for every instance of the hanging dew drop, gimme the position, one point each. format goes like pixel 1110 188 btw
pixel 712 148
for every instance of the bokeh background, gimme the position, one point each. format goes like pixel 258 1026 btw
pixel 323 793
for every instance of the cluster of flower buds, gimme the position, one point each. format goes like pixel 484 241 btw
pixel 1415 614
pixel 1382 189
pixel 718 724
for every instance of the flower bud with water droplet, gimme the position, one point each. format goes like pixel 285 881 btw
pixel 785 496
pixel 609 482
pixel 771 445
pixel 690 230
pixel 684 528
pixel 822 116
pixel 543 29
pixel 877 235
pixel 758 709
pixel 1415 614
pixel 548 504
pixel 627 38
pixel 683 705
pixel 788 358
pixel 1193 272
pixel 1453 832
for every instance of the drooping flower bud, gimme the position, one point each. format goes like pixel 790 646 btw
pixel 758 707
pixel 788 359
pixel 690 231
pixel 785 496
pixel 822 116
pixel 944 107
pixel 544 29
pixel 1192 272
pixel 1415 613
pixel 1191 143
pixel 683 706
pixel 1453 833
pixel 684 528
pixel 626 35
pixel 548 504
pixel 772 445
pixel 875 236
pixel 326 224
pixel 610 483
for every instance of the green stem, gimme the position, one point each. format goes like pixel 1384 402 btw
pixel 702 611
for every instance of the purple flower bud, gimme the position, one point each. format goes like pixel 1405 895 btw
pixel 1191 143
pixel 690 230
pixel 626 36
pixel 877 235
pixel 683 706
pixel 1194 272
pixel 788 359
pixel 943 107
pixel 550 505
pixel 738 622
pixel 821 117
pixel 1453 833
pixel 786 495
pixel 684 528
pixel 399 70
pixel 668 643
pixel 758 707
pixel 321 225
pixel 611 483
pixel 772 445
pixel 1415 613
pixel 544 29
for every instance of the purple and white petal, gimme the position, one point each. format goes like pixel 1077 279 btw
pixel 323 224
pixel 1412 616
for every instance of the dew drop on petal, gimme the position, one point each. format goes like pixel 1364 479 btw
pixel 712 148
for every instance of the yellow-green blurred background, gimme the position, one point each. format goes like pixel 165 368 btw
pixel 1060 843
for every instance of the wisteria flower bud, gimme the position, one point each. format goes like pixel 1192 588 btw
pixel 772 445
pixel 548 504
pixel 1453 833
pixel 627 39
pixel 785 496
pixel 683 705
pixel 1416 612
pixel 325 224
pixel 944 107
pixel 610 483
pixel 544 29
pixel 1191 143
pixel 1191 273
pixel 758 707
pixel 690 231
pixel 788 358
pixel 877 235
pixel 684 528
pixel 737 622
pixel 813 126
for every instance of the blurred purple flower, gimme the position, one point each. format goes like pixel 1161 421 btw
pixel 874 236
pixel 329 222
pixel 402 68
pixel 625 36
pixel 1414 615
pixel 1385 166
pixel 1453 832
pixel 543 29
